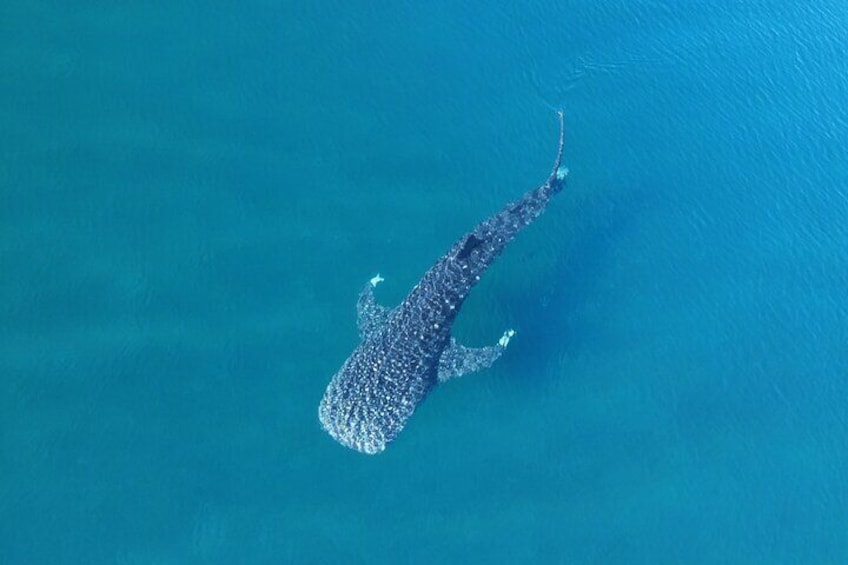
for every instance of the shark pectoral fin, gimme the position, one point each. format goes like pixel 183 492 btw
pixel 458 360
pixel 369 315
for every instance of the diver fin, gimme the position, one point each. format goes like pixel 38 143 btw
pixel 458 360
pixel 370 316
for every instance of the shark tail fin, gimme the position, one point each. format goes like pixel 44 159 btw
pixel 559 173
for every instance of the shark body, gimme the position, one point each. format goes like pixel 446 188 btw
pixel 406 351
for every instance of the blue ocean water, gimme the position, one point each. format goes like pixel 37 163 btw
pixel 193 195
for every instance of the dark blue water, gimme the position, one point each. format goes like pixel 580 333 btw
pixel 193 195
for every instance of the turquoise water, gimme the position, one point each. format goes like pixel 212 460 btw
pixel 193 195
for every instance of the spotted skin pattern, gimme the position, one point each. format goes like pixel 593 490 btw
pixel 405 352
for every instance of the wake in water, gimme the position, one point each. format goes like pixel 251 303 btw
pixel 583 70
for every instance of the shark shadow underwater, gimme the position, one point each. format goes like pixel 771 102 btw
pixel 406 351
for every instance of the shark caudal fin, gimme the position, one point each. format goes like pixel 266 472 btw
pixel 559 174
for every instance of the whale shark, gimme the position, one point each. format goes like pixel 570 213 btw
pixel 404 352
